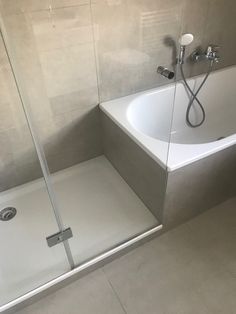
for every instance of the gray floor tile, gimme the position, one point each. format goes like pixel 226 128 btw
pixel 172 273
pixel 219 293
pixel 214 233
pixel 89 295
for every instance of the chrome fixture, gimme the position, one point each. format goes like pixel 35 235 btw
pixel 211 54
pixel 185 40
pixel 59 237
pixel 7 213
pixel 166 72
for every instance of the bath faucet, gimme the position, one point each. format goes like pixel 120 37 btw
pixel 210 54
pixel 166 72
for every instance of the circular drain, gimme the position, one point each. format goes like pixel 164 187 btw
pixel 7 213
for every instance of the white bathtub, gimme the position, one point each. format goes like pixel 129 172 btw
pixel 155 119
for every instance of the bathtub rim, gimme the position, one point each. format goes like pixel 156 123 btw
pixel 170 156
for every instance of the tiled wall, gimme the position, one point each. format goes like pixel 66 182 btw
pixel 133 37
pixel 60 46
pixel 54 56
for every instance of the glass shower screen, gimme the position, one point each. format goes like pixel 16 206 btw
pixel 59 167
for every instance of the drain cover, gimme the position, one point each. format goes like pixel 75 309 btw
pixel 7 213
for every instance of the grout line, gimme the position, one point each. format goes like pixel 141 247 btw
pixel 114 291
pixel 71 6
pixel 23 12
pixel 95 50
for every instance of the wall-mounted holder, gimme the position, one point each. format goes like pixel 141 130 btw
pixel 166 72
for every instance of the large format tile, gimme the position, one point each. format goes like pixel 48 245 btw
pixel 160 276
pixel 68 3
pixel 218 227
pixel 10 106
pixel 194 21
pixel 18 159
pixel 139 170
pixel 199 186
pixel 26 6
pixel 66 53
pixel 61 27
pixel 76 138
pixel 174 274
pixel 19 6
pixel 220 29
pixel 130 51
pixel 211 22
pixel 55 67
pixel 220 287
pixel 69 70
pixel 88 295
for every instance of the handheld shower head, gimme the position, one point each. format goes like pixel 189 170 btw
pixel 185 40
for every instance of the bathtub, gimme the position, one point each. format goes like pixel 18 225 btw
pixel 155 119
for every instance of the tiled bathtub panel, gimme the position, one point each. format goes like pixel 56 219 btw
pixel 139 170
pixel 199 186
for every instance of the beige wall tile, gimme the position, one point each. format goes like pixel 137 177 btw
pixel 61 28
pixel 56 70
pixel 68 70
pixel 19 6
pixel 130 50
pixel 67 3
pixel 220 29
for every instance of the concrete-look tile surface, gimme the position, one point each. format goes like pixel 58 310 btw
pixel 216 234
pixel 129 51
pixel 191 269
pixel 91 294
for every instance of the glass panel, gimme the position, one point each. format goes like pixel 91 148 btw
pixel 26 260
pixel 70 57
pixel 203 131
pixel 202 101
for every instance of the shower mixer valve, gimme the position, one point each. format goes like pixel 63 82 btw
pixel 211 54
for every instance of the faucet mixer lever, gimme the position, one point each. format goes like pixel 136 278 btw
pixel 212 53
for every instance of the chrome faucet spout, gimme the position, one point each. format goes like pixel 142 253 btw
pixel 211 54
